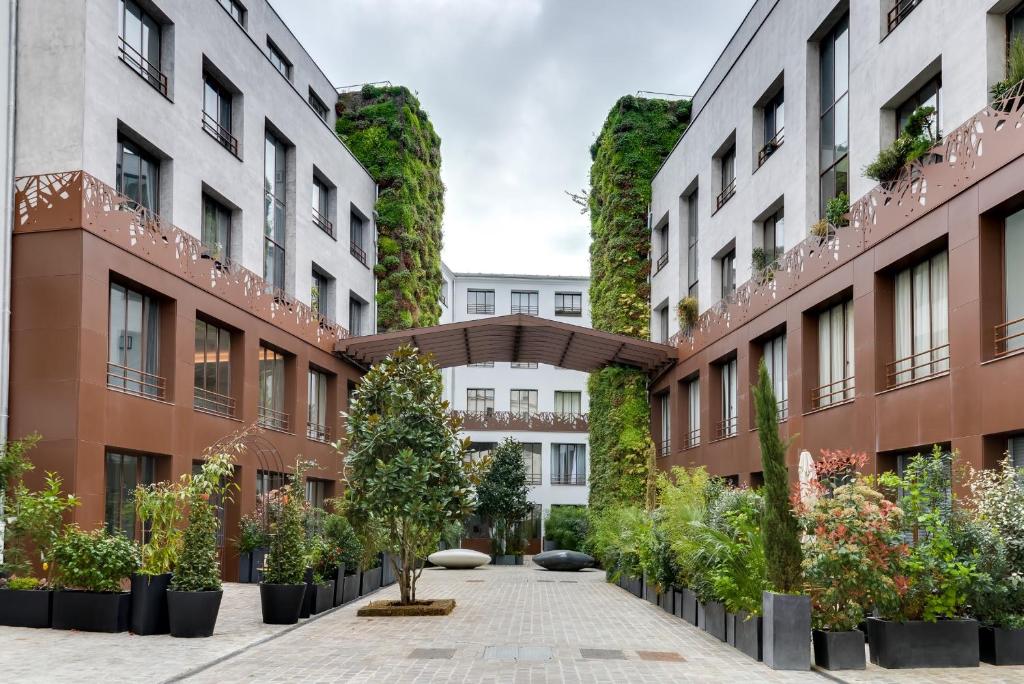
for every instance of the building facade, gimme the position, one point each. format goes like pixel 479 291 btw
pixel 191 239
pixel 543 407
pixel 894 333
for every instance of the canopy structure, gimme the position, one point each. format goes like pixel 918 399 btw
pixel 517 337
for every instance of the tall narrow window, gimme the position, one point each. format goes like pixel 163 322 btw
pixel 321 195
pixel 271 406
pixel 692 232
pixel 693 413
pixel 480 301
pixel 319 291
pixel 663 324
pixel 665 445
pixel 835 356
pixel 235 9
pixel 728 273
pixel 532 459
pixel 278 59
pixel 216 229
pixel 269 480
pixel 356 314
pixel 1015 449
pixel 217 114
pixel 834 125
pixel 775 361
pixel 316 421
pixel 727 428
pixel 356 237
pixel 274 204
pixel 568 464
pixel 525 302
pixel 774 238
pixel 727 177
pixel 774 126
pixel 480 400
pixel 133 359
pixel 1015 24
pixel 138 176
pixel 523 402
pixel 662 247
pixel 316 494
pixel 921 321
pixel 318 105
pixel 124 472
pixel 213 369
pixel 1010 334
pixel 140 43
pixel 568 403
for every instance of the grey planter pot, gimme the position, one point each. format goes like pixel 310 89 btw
pixel 550 545
pixel 689 609
pixel 245 567
pixel 786 631
pixel 747 634
pixel 677 602
pixel 506 560
pixel 946 643
pixel 350 590
pixel 713 619
pixel 839 650
pixel 370 581
pixel 339 584
pixel 665 601
pixel 730 629
pixel 323 597
pixel 1001 646
pixel 634 585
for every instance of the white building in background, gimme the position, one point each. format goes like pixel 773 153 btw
pixel 541 406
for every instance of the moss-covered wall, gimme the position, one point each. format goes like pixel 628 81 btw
pixel 392 136
pixel 636 137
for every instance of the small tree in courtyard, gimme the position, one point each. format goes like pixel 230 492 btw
pixel 503 493
pixel 405 467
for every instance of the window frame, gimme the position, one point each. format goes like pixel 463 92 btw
pixel 562 454
pixel 909 330
pixel 319 106
pixel 218 398
pixel 278 59
pixel 317 397
pixel 532 306
pixel 138 56
pixel 219 248
pixel 273 378
pixel 516 399
pixel 145 474
pixel 275 253
pixel 475 307
pixel 842 311
pixel 840 32
pixel 142 379
pixel 152 183
pixel 575 398
pixel 692 239
pixel 475 395
pixel 573 309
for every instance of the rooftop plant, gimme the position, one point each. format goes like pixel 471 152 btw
pixel 687 312
pixel 1014 70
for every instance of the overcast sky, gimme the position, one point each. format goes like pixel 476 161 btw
pixel 517 90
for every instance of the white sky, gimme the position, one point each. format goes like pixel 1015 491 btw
pixel 517 90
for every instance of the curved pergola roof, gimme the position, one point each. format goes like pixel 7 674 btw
pixel 517 337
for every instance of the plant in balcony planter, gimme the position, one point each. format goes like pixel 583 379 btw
pixel 786 612
pixel 687 312
pixel 91 569
pixel 1014 72
pixel 913 143
pixel 283 588
pixel 159 509
pixel 760 265
pixel 503 499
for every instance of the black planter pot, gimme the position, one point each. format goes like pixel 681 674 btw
pixel 665 600
pixel 746 634
pixel 506 559
pixel 92 611
pixel 839 650
pixel 689 609
pixel 700 615
pixel 946 643
pixel 786 631
pixel 1000 646
pixel 713 619
pixel 730 628
pixel 26 607
pixel 308 596
pixel 677 602
pixel 193 614
pixel 149 604
pixel 370 582
pixel 339 585
pixel 634 585
pixel 323 596
pixel 281 603
pixel 350 588
pixel 245 567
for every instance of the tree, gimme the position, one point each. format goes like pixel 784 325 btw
pixel 13 464
pixel 503 493
pixel 780 528
pixel 405 471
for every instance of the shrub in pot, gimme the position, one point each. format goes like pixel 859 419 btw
pixel 252 544
pixel 566 527
pixel 683 510
pixel 503 500
pixel 90 570
pixel 283 587
pixel 617 535
pixel 158 507
pixel 343 551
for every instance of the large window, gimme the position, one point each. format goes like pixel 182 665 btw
pixel 316 493
pixel 568 464
pixel 835 356
pixel 730 418
pixel 834 126
pixel 568 304
pixel 278 59
pixel 480 301
pixel 1010 334
pixel 140 43
pixel 532 458
pixel 212 383
pixel 774 125
pixel 568 403
pixel 665 406
pixel 728 261
pixel 523 402
pixel 316 421
pixel 271 407
pixel 216 233
pixel 133 359
pixel 269 480
pixel 321 197
pixel 775 361
pixel 525 302
pixel 928 95
pixel 693 413
pixel 123 473
pixel 692 233
pixel 356 315
pixel 480 400
pixel 774 237
pixel 921 321
pixel 217 113
pixel 356 236
pixel 138 176
pixel 274 204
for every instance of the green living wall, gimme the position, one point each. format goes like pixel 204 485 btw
pixel 636 137
pixel 393 138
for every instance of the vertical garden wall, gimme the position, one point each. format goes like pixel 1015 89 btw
pixel 636 137
pixel 393 138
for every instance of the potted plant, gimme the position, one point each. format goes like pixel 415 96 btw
pixel 283 587
pixel 786 612
pixel 343 552
pixel 322 595
pixel 371 576
pixel 914 142
pixel 90 570
pixel 503 500
pixel 252 545
pixel 158 508
pixel 13 464
pixel 687 312
pixel 1014 75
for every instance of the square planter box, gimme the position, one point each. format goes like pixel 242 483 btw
pixel 323 596
pixel 339 585
pixel 1000 646
pixel 677 602
pixel 634 585
pixel 149 604
pixel 712 620
pixel 689 609
pixel 506 560
pixel 946 643
pixel 91 611
pixel 350 590
pixel 746 633
pixel 839 650
pixel 26 607
pixel 730 628
pixel 370 582
pixel 786 631
pixel 665 601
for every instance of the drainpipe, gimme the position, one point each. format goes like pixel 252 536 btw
pixel 7 228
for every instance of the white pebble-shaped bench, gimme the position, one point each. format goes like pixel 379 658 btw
pixel 459 559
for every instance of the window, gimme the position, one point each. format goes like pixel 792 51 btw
pixel 525 302
pixel 928 95
pixel 834 125
pixel 356 237
pixel 663 324
pixel 1010 334
pixel 235 9
pixel 274 169
pixel 532 458
pixel 123 473
pixel 318 105
pixel 568 304
pixel 774 237
pixel 899 11
pixel 480 301
pixel 319 290
pixel 662 248
pixel 133 361
pixel 523 402
pixel 271 407
pixel 212 383
pixel 480 400
pixel 356 309
pixel 217 114
pixel 1015 24
pixel 691 244
pixel 321 196
pixel 728 273
pixel 1015 448
pixel 665 443
pixel 316 422
pixel 444 292
pixel 479 450
pixel 138 176
pixel 727 168
pixel 775 361
pixel 216 232
pixel 835 356
pixel 921 317
pixel 568 403
pixel 774 125
pixel 268 480
pixel 693 413
pixel 139 44
pixel 727 427
pixel 568 464
pixel 523 365
pixel 481 364
pixel 278 59
pixel 316 492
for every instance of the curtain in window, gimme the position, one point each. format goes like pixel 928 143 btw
pixel 694 412
pixel 940 311
pixel 838 351
pixel 848 369
pixel 922 320
pixel 824 357
pixel 1013 255
pixel 904 335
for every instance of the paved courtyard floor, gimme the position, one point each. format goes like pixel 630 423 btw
pixel 512 624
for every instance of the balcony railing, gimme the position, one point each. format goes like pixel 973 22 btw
pixel 212 402
pixel 665 448
pixel 727 192
pixel 770 147
pixel 318 432
pixel 220 134
pixel 533 478
pixel 923 364
pixel 1009 336
pixel 726 428
pixel 838 392
pixel 899 12
pixel 135 381
pixel 569 310
pixel 358 252
pixel 273 419
pixel 693 438
pixel 662 262
pixel 322 223
pixel 475 308
pixel 540 421
pixel 528 309
pixel 574 480
pixel 143 67
pixel 782 410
